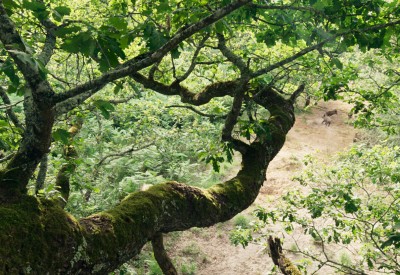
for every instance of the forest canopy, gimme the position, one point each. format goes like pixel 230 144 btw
pixel 101 99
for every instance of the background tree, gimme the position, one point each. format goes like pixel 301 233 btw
pixel 54 58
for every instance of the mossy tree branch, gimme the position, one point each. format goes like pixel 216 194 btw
pixel 279 259
pixel 101 242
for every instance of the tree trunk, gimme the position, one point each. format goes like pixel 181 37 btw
pixel 161 255
pixel 34 145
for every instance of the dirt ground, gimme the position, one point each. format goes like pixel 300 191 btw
pixel 210 248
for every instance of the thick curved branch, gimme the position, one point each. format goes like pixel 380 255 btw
pixel 101 242
pixel 50 40
pixel 239 92
pixel 71 103
pixel 141 61
pixel 49 46
pixel 146 60
pixel 39 116
pixel 296 93
pixel 153 69
pixel 218 89
pixel 234 113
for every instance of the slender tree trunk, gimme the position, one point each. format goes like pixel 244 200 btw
pixel 279 259
pixel 41 177
pixel 161 255
pixel 34 145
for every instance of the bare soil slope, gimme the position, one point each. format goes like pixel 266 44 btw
pixel 210 249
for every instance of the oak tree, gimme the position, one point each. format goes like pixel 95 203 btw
pixel 262 46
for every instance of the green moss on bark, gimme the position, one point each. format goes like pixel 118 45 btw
pixel 32 233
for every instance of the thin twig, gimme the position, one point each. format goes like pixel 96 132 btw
pixel 123 153
pixel 196 111
pixel 8 157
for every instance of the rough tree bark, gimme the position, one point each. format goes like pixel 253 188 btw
pixel 279 259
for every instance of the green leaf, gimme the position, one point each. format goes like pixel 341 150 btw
pixel 109 52
pixel 64 31
pixel 118 87
pixel 34 5
pixel 175 53
pixel 154 38
pixel 393 240
pixel 9 5
pixel 80 43
pixel 3 123
pixel 219 27
pixel 119 23
pixel 350 206
pixel 63 10
pixel 8 68
pixel 105 107
pixel 38 9
pixel 60 12
pixel 163 7
pixel 61 135
pixel 337 63
pixel 370 263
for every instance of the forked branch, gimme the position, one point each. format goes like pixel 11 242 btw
pixel 143 61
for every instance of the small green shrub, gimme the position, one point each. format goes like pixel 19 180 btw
pixel 242 221
pixel 191 250
pixel 154 269
pixel 188 269
pixel 345 259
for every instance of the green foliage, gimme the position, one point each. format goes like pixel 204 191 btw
pixel 192 249
pixel 354 200
pixel 241 221
pixel 188 269
pixel 105 107
pixel 165 143
pixel 61 135
pixel 154 268
pixel 241 236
